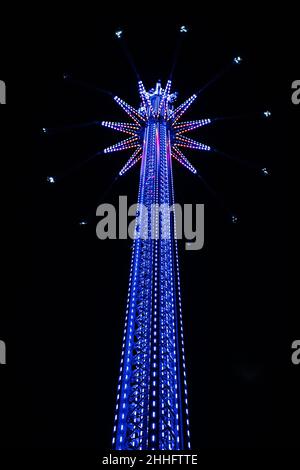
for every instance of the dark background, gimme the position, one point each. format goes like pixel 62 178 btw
pixel 64 303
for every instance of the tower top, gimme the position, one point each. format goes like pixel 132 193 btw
pixel 158 88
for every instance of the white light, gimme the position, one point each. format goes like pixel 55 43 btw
pixel 234 219
pixel 183 29
pixel 82 222
pixel 237 60
pixel 265 171
pixel 267 114
pixel 119 33
pixel 50 179
pixel 44 130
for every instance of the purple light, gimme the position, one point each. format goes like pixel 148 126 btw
pixel 130 110
pixel 187 126
pixel 182 109
pixel 125 127
pixel 164 98
pixel 145 98
pixel 183 160
pixel 123 145
pixel 191 144
pixel 132 161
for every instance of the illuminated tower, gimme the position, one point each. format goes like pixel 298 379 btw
pixel 152 403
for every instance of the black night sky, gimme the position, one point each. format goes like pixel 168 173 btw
pixel 63 317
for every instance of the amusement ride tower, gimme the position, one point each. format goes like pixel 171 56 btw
pixel 152 402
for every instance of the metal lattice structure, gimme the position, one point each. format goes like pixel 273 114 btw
pixel 152 404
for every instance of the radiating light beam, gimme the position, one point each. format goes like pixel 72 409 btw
pixel 179 42
pixel 217 77
pixel 88 86
pixel 78 166
pixel 128 54
pixel 245 163
pixel 215 196
pixel 57 130
pixel 89 216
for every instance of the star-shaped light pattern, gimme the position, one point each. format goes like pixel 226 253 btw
pixel 166 112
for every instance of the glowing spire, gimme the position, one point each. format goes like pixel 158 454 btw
pixel 142 93
pixel 164 97
pixel 145 98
